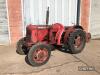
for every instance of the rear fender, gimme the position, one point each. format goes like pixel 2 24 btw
pixel 78 27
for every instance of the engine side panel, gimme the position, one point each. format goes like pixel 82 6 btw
pixel 41 34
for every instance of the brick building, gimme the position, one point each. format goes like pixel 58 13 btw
pixel 16 14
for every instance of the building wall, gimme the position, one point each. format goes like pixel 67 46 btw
pixel 95 19
pixel 15 18
pixel 4 32
pixel 62 11
pixel 85 14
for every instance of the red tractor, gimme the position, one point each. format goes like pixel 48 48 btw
pixel 40 39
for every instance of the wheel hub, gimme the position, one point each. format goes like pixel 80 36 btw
pixel 40 55
pixel 78 41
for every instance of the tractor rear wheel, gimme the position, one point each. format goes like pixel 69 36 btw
pixel 77 41
pixel 39 54
pixel 21 49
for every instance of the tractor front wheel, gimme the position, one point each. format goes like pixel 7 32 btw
pixel 21 48
pixel 77 41
pixel 39 54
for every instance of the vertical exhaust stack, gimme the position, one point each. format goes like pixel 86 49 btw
pixel 47 16
pixel 78 12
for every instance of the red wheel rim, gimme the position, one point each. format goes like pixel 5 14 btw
pixel 77 42
pixel 40 55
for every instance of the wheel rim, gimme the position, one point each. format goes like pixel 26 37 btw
pixel 40 55
pixel 77 42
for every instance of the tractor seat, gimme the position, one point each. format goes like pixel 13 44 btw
pixel 56 32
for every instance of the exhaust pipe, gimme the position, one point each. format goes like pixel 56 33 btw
pixel 47 16
pixel 78 12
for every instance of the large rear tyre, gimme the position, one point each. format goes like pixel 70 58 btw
pixel 77 41
pixel 39 54
pixel 21 48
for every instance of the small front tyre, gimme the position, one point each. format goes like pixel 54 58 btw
pixel 39 54
pixel 21 48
